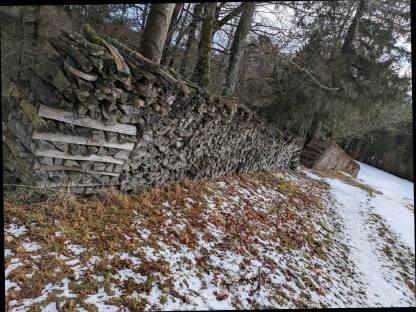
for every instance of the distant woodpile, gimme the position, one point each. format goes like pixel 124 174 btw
pixel 97 114
pixel 324 154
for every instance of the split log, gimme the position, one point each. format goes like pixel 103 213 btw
pixel 93 49
pixel 41 91
pixel 78 73
pixel 58 154
pixel 69 168
pixel 72 184
pixel 122 67
pixel 50 71
pixel 151 65
pixel 68 117
pixel 28 108
pixel 62 45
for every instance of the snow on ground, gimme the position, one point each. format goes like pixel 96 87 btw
pixel 395 204
pixel 360 211
pixel 266 240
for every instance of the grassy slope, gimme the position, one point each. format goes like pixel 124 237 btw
pixel 247 241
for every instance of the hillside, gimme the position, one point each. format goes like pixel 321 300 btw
pixel 263 240
pixel 207 155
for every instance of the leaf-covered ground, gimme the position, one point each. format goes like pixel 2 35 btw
pixel 251 241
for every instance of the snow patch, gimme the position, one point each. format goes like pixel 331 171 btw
pixel 15 230
pixel 30 246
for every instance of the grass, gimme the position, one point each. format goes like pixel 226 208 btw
pixel 335 174
pixel 398 255
pixel 177 217
pixel 288 187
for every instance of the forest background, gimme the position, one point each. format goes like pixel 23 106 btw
pixel 334 69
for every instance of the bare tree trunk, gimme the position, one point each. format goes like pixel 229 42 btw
pixel 185 64
pixel 123 13
pixel 229 17
pixel 178 40
pixel 237 48
pixel 202 69
pixel 155 31
pixel 145 13
pixel 172 25
pixel 225 57
pixel 352 31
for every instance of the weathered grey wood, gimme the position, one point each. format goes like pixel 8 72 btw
pixel 78 73
pixel 64 138
pixel 71 168
pixel 68 117
pixel 175 136
pixel 58 154
pixel 118 59
pixel 71 184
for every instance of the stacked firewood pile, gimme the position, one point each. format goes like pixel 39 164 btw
pixel 324 154
pixel 97 113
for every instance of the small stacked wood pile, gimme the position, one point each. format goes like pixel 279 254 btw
pixel 97 113
pixel 326 155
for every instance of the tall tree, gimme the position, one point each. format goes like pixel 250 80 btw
pixel 144 15
pixel 322 109
pixel 196 16
pixel 181 33
pixel 202 69
pixel 237 48
pixel 155 31
pixel 232 14
pixel 172 25
pixel 353 29
pixel 346 80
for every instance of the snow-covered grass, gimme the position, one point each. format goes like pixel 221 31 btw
pixel 263 240
pixel 381 232
pixel 395 204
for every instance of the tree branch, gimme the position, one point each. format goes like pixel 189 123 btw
pixel 235 12
pixel 310 75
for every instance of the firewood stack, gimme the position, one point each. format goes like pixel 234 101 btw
pixel 97 114
pixel 324 154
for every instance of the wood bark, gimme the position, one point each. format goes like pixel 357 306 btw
pixel 202 69
pixel 352 30
pixel 185 69
pixel 237 48
pixel 230 16
pixel 154 34
pixel 145 14
pixel 179 37
pixel 167 50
